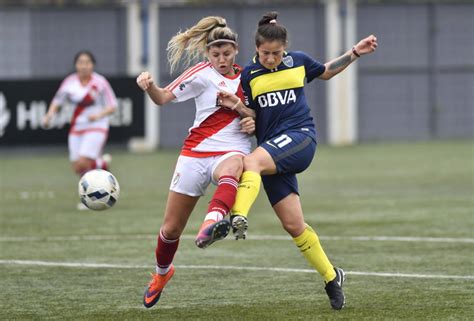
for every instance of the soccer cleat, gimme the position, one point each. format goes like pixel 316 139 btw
pixel 334 290
pixel 212 231
pixel 155 287
pixel 240 225
pixel 81 207
pixel 107 158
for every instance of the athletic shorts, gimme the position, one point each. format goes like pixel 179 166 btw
pixel 292 153
pixel 193 175
pixel 89 144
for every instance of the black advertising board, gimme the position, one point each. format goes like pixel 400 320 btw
pixel 23 103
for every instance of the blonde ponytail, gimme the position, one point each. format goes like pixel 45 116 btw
pixel 191 45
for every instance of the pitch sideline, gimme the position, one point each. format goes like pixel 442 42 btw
pixel 113 237
pixel 228 267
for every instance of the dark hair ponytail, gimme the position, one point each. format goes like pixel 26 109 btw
pixel 269 30
pixel 84 52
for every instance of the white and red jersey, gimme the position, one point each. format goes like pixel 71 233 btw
pixel 88 100
pixel 215 130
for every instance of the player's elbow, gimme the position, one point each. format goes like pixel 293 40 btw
pixel 326 75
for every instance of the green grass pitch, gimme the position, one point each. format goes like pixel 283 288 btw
pixel 421 191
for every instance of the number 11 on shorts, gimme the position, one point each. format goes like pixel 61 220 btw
pixel 280 142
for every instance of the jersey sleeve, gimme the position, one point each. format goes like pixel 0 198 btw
pixel 61 95
pixel 312 67
pixel 246 92
pixel 188 87
pixel 109 95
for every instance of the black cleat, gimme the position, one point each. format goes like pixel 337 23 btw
pixel 334 290
pixel 240 225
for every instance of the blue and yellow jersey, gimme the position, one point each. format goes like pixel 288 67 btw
pixel 277 95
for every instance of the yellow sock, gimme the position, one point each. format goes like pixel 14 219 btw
pixel 308 243
pixel 247 192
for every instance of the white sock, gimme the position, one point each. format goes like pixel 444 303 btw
pixel 99 163
pixel 214 215
pixel 162 271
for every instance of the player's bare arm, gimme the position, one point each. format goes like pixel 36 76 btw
pixel 160 96
pixel 52 110
pixel 233 102
pixel 335 66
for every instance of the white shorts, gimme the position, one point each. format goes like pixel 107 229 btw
pixel 89 144
pixel 193 175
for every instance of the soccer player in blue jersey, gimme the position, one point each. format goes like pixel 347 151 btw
pixel 273 88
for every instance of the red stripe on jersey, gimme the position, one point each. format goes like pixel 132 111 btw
pixel 86 101
pixel 88 130
pixel 186 75
pixel 210 126
pixel 191 153
pixel 240 93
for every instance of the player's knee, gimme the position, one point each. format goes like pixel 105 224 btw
pixel 293 228
pixel 81 166
pixel 77 168
pixel 252 164
pixel 235 168
pixel 171 232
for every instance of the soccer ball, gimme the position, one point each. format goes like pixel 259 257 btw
pixel 98 189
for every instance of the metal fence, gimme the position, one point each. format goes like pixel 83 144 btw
pixel 418 85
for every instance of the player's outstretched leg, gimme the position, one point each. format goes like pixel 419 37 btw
pixel 165 251
pixel 212 231
pixel 310 247
pixel 334 289
pixel 156 286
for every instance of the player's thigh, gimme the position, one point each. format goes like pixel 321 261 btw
pixel 230 164
pixel 292 152
pixel 191 176
pixel 260 161
pixel 290 213
pixel 92 144
pixel 178 209
pixel 74 146
pixel 279 186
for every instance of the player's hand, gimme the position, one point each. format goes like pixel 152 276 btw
pixel 145 80
pixel 94 117
pixel 227 100
pixel 366 45
pixel 46 122
pixel 248 125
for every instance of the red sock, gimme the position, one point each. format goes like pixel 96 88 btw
pixel 224 196
pixel 99 163
pixel 82 172
pixel 165 251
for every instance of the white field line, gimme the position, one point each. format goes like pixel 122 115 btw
pixel 114 237
pixel 226 267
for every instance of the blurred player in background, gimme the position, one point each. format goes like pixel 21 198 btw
pixel 273 87
pixel 214 149
pixel 94 101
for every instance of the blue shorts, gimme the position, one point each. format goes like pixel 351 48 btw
pixel 292 153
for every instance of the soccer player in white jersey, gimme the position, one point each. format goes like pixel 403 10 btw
pixel 214 149
pixel 94 101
